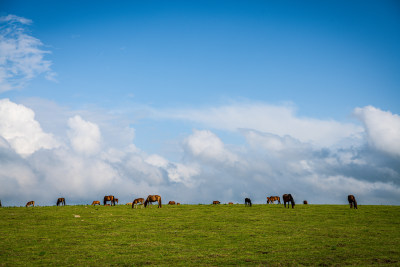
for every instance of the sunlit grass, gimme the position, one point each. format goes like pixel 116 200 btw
pixel 200 235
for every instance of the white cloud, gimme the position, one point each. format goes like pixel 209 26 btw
pixel 85 136
pixel 19 127
pixel 277 120
pixel 21 57
pixel 382 128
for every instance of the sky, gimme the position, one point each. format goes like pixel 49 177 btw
pixel 199 101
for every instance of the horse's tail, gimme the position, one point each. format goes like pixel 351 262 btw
pixel 145 203
pixel 159 203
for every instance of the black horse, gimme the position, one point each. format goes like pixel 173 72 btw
pixel 61 201
pixel 247 202
pixel 288 198
pixel 352 201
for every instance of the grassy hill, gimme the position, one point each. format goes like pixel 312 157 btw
pixel 200 235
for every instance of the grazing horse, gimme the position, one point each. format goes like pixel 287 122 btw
pixel 230 203
pixel 305 202
pixel 171 203
pixel 215 202
pixel 153 198
pixel 96 202
pixel 288 198
pixel 247 202
pixel 137 201
pixel 109 198
pixel 272 199
pixel 61 201
pixel 352 201
pixel 30 203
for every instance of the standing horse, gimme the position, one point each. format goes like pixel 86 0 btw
pixel 216 202
pixel 109 198
pixel 96 202
pixel 171 203
pixel 61 201
pixel 352 201
pixel 272 199
pixel 137 201
pixel 288 198
pixel 30 203
pixel 153 198
pixel 247 202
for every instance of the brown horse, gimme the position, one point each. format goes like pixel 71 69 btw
pixel 305 202
pixel 30 203
pixel 272 199
pixel 96 202
pixel 171 203
pixel 247 202
pixel 61 201
pixel 137 201
pixel 153 198
pixel 352 201
pixel 216 202
pixel 230 203
pixel 288 198
pixel 109 198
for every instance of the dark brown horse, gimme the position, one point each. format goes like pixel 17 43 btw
pixel 305 202
pixel 30 203
pixel 215 202
pixel 288 198
pixel 247 202
pixel 230 203
pixel 153 198
pixel 109 198
pixel 96 202
pixel 352 201
pixel 61 201
pixel 137 201
pixel 171 203
pixel 272 199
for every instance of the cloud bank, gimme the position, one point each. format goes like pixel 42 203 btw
pixel 86 163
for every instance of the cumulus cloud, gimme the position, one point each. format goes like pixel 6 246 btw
pixel 21 56
pixel 280 120
pixel 87 163
pixel 382 128
pixel 20 129
pixel 85 136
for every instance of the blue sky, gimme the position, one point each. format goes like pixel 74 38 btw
pixel 190 84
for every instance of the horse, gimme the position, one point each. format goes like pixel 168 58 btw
pixel 178 203
pixel 96 202
pixel 247 202
pixel 288 198
pixel 171 203
pixel 215 202
pixel 230 203
pixel 305 202
pixel 61 201
pixel 137 201
pixel 272 199
pixel 352 201
pixel 30 203
pixel 153 198
pixel 109 198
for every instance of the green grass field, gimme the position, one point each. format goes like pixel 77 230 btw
pixel 200 235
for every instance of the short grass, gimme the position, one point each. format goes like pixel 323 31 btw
pixel 203 235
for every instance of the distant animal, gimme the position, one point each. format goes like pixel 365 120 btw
pixel 272 199
pixel 137 201
pixel 129 204
pixel 96 202
pixel 288 198
pixel 352 201
pixel 305 202
pixel 230 203
pixel 61 201
pixel 215 202
pixel 109 198
pixel 171 203
pixel 153 198
pixel 30 203
pixel 247 202
pixel 178 203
